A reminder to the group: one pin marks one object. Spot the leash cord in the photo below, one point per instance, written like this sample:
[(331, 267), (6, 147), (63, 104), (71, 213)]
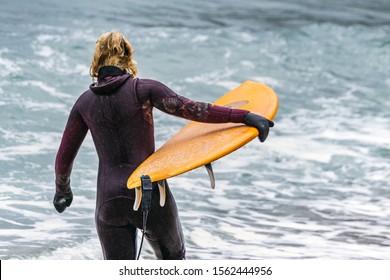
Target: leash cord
[(144, 219), (147, 190)]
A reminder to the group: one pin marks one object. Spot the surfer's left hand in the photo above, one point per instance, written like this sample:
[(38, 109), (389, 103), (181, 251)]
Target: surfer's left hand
[(262, 124)]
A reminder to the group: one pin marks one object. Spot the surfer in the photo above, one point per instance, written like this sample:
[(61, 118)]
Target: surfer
[(117, 110)]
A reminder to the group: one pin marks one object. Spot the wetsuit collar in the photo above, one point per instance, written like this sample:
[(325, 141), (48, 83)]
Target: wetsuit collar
[(110, 71), (110, 78)]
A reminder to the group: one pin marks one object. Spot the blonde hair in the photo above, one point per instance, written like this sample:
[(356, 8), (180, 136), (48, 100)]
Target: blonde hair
[(113, 49)]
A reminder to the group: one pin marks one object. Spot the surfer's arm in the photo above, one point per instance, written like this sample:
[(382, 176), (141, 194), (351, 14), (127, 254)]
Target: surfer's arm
[(72, 138), (166, 100)]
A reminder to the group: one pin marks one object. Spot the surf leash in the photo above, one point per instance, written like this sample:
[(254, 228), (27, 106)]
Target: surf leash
[(147, 191)]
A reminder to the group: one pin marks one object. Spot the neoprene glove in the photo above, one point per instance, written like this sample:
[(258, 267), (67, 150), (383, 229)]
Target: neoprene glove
[(63, 197), (61, 201), (262, 124)]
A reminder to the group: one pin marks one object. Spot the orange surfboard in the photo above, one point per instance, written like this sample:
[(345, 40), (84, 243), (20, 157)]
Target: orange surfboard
[(198, 144)]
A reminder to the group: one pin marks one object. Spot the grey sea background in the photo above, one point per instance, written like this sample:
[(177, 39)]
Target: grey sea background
[(318, 188)]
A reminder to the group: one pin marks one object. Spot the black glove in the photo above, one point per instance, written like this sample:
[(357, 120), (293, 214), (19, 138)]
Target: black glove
[(61, 201), (63, 196), (262, 124)]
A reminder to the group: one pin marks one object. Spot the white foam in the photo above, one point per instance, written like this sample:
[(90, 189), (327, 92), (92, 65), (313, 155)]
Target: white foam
[(88, 250), (45, 87), (30, 144), (228, 53), (8, 66), (306, 148), (50, 56), (203, 238), (80, 69), (270, 81), (248, 64), (200, 38), (247, 37), (387, 82), (11, 190), (44, 51), (43, 106), (43, 38), (215, 78)]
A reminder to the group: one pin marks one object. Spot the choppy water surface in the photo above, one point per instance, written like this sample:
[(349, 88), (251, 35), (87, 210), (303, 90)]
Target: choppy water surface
[(318, 188)]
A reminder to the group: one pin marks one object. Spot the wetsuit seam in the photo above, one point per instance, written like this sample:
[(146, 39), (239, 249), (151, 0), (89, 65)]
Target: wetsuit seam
[(136, 91), (85, 119)]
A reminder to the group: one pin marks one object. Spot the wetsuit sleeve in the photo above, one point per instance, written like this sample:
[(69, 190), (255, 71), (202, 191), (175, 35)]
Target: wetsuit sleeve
[(166, 100), (72, 138)]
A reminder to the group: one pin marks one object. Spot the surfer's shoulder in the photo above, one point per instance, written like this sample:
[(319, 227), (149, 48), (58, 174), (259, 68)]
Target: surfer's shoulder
[(150, 85)]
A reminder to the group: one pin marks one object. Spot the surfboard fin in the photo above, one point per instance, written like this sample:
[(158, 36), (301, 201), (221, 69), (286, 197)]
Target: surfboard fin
[(163, 194), (210, 171), (138, 198), (138, 195)]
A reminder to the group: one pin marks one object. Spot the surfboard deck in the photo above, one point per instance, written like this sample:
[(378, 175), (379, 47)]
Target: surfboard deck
[(198, 144)]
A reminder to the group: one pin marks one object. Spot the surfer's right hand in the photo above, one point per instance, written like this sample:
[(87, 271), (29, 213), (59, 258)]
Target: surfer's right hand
[(61, 201), (262, 124)]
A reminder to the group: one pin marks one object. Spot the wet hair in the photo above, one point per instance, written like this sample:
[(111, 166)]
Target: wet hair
[(113, 49)]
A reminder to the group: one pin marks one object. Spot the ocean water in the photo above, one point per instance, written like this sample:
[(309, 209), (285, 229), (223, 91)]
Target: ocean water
[(317, 188)]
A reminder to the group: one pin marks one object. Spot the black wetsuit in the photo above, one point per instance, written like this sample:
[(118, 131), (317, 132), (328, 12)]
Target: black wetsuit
[(118, 112)]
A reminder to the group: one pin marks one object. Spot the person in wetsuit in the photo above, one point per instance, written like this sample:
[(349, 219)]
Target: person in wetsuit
[(117, 110)]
